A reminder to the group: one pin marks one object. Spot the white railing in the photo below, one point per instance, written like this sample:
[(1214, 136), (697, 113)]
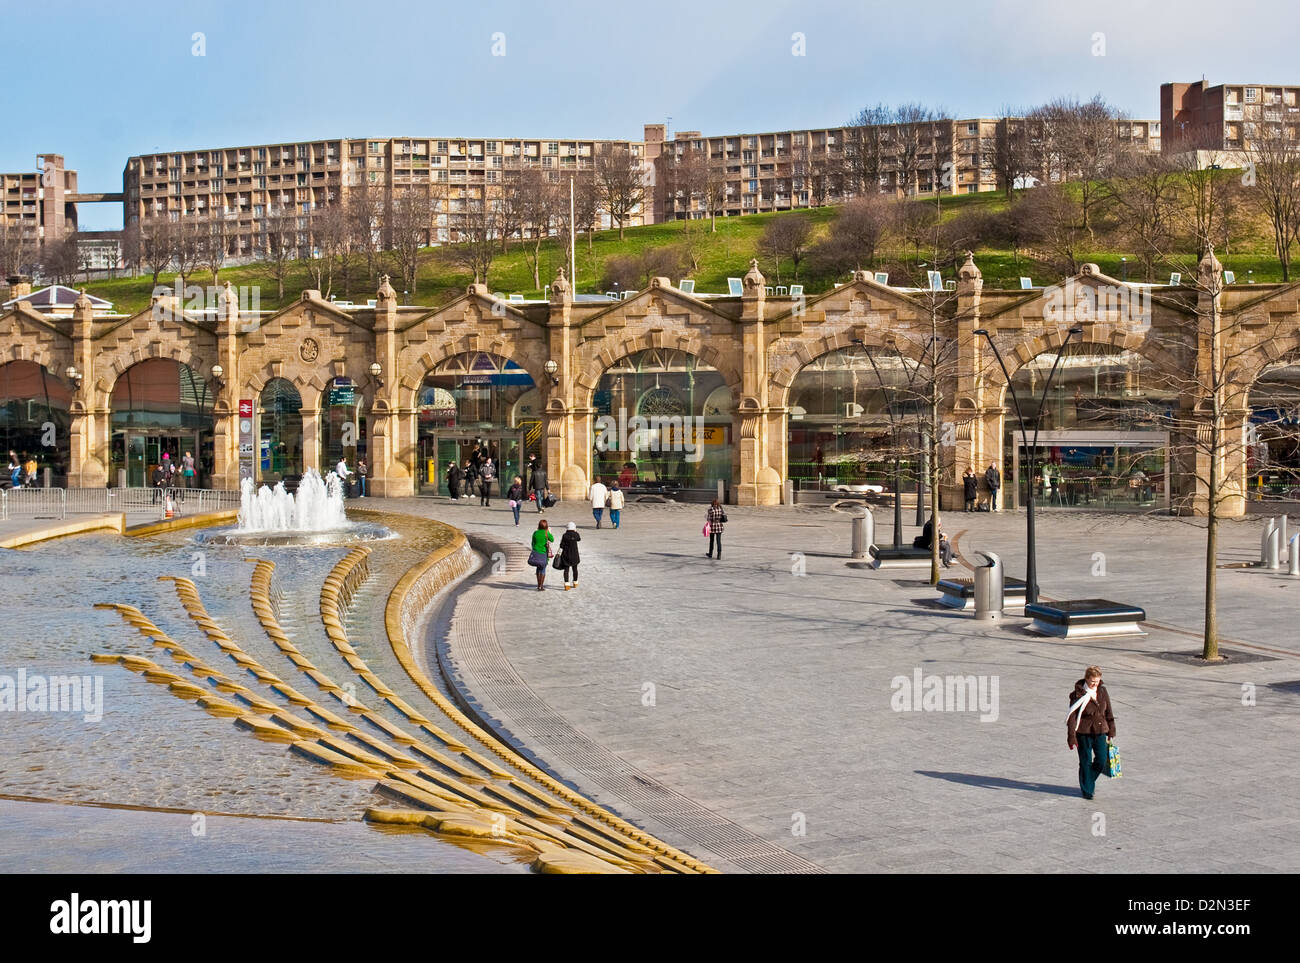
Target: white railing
[(61, 502)]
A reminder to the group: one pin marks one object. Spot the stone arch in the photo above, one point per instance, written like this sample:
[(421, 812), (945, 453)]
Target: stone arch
[(1027, 350), (109, 369), (415, 370), (804, 353), (309, 388), (612, 351)]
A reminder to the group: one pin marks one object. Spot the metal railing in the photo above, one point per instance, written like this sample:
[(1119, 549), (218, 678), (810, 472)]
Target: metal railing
[(62, 502)]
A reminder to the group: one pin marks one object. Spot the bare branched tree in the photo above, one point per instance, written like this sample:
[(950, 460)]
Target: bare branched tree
[(621, 182)]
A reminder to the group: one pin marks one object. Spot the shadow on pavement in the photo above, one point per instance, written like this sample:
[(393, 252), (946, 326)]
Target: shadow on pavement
[(998, 782)]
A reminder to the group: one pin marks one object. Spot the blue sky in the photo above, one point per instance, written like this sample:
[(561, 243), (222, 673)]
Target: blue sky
[(101, 81)]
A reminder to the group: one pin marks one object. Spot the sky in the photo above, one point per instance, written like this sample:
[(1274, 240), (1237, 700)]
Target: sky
[(100, 81)]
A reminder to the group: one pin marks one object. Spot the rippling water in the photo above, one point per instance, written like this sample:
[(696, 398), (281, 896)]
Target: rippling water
[(151, 749)]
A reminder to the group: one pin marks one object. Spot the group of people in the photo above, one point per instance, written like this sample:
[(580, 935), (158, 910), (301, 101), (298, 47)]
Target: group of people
[(971, 487), (169, 475), (362, 475), (477, 474), (22, 471)]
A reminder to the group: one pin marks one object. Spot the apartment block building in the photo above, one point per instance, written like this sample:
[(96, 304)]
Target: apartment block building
[(39, 203), (783, 170), (244, 184), (1227, 117)]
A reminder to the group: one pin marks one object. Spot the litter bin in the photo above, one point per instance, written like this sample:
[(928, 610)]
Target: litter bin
[(864, 533), (989, 584)]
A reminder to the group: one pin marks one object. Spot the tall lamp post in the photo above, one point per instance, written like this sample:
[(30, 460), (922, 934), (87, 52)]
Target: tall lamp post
[(1031, 562)]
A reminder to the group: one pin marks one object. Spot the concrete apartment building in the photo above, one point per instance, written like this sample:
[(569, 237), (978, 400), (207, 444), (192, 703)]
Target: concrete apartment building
[(244, 184), (1227, 118), (783, 170), (40, 203)]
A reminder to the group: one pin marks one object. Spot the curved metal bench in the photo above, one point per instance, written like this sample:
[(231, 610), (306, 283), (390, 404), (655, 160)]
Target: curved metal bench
[(1086, 618)]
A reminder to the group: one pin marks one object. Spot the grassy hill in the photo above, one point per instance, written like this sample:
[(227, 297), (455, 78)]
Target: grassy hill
[(721, 254)]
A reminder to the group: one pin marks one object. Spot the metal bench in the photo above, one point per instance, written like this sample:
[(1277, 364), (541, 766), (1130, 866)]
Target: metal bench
[(886, 556), (1086, 618), (959, 593)]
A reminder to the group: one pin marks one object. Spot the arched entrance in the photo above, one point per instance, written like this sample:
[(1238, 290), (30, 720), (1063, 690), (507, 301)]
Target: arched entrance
[(663, 417), (472, 404), (279, 432), (159, 407), (1273, 455), (851, 412), (34, 417), (1103, 430)]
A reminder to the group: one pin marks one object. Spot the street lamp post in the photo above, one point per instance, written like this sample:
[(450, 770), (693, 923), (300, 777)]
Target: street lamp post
[(1124, 261), (893, 426), (1031, 562)]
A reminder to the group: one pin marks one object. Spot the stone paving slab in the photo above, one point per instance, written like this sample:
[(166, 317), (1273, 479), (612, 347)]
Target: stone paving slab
[(772, 690)]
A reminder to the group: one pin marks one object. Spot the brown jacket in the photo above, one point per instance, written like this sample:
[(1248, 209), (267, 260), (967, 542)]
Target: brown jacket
[(1097, 717)]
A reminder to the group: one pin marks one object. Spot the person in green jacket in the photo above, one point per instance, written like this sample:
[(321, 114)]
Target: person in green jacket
[(541, 553)]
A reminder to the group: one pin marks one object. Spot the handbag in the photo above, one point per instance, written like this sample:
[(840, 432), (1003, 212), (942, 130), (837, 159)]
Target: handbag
[(1113, 767), (724, 518), (536, 559), (513, 503), (706, 532), (558, 564)]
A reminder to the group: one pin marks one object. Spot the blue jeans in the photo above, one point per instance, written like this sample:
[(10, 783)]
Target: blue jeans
[(599, 513), (1094, 761), (362, 483), (514, 507), (613, 515)]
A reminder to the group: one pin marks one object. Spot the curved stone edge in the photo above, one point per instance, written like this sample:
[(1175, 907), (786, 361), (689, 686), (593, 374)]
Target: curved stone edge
[(204, 520), (109, 522), (408, 608)]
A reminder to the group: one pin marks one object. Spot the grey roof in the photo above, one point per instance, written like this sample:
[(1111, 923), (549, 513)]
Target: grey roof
[(57, 296)]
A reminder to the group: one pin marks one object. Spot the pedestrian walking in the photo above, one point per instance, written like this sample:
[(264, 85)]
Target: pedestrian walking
[(537, 482), (486, 476), (599, 496), (540, 556), (714, 521), (1089, 727), (30, 469), (569, 554), (971, 489), (453, 480), (158, 480), (187, 467), (469, 479), (15, 469), (515, 496), (363, 473), (993, 479), (615, 501)]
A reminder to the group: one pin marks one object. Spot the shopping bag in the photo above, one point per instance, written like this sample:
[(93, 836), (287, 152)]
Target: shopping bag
[(558, 564), (1114, 769), (705, 533)]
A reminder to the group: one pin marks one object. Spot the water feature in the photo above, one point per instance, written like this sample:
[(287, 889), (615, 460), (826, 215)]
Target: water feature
[(314, 515)]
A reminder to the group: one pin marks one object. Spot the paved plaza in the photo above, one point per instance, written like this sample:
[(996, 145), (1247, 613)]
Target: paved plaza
[(742, 709)]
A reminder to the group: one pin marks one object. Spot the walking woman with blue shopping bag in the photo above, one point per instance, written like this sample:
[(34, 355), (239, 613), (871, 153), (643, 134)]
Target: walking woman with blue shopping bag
[(1090, 726)]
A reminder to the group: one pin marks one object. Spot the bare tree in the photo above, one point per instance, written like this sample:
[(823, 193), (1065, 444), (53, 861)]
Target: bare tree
[(364, 212), (60, 260), (537, 204), (920, 140), (1145, 193), (477, 228), (17, 245), (586, 202), (410, 226), (130, 246), (1010, 153), (187, 252), (1273, 179), (212, 244), (856, 235), (620, 179), (1054, 219), (865, 158), (157, 244), (1076, 141), (786, 237), (280, 244)]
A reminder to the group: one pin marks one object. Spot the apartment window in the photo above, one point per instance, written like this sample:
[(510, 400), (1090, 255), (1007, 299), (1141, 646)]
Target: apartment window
[(1252, 95), (374, 177), (753, 186), (375, 146), (442, 147)]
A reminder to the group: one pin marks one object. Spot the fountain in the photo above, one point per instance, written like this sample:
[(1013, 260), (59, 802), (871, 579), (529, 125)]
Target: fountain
[(314, 515)]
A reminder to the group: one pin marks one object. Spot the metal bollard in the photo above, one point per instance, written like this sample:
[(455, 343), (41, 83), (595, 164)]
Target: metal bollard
[(1269, 528), (789, 492), (1271, 549), (1281, 527), (989, 586), (863, 529), (1293, 555)]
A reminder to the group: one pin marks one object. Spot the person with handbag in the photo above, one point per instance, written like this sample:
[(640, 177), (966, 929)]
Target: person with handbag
[(1089, 728), (537, 482), (486, 476), (515, 496), (598, 493), (540, 555), (713, 523), (567, 559)]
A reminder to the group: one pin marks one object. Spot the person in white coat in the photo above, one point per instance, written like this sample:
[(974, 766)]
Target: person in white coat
[(599, 495)]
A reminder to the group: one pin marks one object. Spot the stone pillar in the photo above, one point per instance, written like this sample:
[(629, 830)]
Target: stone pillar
[(759, 483), (391, 474), (310, 438), (88, 441), (225, 405), (566, 419), (967, 434)]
